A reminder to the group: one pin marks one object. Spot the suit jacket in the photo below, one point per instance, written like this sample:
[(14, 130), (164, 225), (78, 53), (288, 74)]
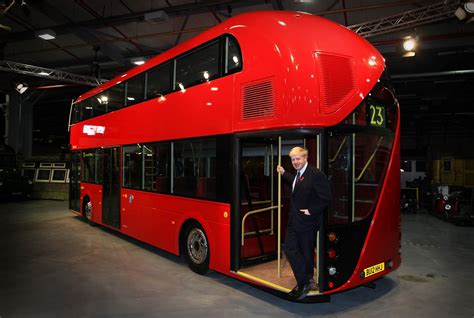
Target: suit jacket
[(312, 192)]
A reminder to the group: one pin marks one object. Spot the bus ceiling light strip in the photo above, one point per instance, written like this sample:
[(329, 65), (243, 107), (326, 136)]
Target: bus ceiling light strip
[(47, 34)]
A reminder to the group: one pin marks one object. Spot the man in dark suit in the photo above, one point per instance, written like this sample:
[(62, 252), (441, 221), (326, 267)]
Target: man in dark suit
[(309, 199)]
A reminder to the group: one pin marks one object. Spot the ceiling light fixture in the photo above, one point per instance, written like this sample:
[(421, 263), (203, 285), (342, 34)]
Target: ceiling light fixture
[(409, 46), (21, 88), (138, 60), (47, 34), (465, 12)]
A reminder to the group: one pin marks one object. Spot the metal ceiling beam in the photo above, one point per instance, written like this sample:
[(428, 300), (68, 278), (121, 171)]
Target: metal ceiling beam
[(431, 74), (68, 26), (427, 14), (48, 73), (91, 11), (28, 26), (86, 34)]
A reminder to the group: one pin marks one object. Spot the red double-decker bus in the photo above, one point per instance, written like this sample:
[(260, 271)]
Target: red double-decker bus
[(181, 151)]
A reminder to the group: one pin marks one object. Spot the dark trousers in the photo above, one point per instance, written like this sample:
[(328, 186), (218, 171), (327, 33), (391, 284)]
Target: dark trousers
[(299, 249)]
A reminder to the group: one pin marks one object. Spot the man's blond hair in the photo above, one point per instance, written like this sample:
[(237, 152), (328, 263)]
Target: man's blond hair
[(298, 151)]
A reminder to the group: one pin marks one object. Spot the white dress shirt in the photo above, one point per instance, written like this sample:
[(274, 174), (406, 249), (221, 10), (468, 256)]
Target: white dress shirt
[(301, 171)]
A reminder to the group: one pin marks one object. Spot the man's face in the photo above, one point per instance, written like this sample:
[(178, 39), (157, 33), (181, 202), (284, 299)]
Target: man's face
[(298, 161)]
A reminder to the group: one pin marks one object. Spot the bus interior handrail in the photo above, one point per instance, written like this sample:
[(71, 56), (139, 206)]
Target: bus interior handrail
[(270, 208), (256, 202), (369, 161), (331, 160)]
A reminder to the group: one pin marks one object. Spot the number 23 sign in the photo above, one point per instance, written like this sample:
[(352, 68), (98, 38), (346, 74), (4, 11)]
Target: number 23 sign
[(377, 115)]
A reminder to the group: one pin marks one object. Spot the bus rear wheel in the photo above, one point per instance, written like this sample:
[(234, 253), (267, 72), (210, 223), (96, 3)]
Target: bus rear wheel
[(88, 211), (196, 249)]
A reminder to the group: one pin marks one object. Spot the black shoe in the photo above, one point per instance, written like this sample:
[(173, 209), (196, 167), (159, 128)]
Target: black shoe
[(304, 291), (295, 292)]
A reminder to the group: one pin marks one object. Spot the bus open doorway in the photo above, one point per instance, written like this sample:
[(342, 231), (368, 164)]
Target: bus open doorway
[(264, 207)]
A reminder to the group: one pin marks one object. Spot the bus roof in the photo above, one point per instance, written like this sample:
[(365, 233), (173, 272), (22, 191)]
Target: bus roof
[(264, 20)]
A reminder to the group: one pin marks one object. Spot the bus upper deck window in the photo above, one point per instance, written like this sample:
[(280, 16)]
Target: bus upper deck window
[(158, 81), (86, 109), (233, 57), (116, 97), (135, 89), (200, 65)]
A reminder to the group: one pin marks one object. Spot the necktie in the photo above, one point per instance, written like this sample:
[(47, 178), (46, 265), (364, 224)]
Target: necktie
[(297, 180)]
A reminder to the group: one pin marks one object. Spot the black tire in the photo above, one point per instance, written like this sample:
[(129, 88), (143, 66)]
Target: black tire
[(196, 248)]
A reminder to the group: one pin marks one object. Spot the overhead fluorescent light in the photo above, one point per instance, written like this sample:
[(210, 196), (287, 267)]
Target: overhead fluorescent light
[(44, 73), (47, 34)]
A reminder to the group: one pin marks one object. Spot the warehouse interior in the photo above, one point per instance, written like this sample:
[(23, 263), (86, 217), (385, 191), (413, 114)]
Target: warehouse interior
[(53, 51)]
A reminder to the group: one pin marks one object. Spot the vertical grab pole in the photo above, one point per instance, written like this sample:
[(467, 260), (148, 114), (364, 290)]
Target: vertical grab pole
[(279, 209)]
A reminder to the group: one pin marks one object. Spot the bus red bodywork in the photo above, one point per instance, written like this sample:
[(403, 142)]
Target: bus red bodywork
[(320, 72)]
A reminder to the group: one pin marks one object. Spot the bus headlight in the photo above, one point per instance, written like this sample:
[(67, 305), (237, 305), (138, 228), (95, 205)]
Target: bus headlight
[(447, 207)]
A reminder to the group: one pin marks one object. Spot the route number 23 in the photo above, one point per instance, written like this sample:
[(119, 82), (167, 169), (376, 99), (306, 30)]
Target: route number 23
[(377, 115)]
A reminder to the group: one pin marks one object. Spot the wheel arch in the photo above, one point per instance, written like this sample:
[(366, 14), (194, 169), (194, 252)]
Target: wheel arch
[(207, 230), (86, 198)]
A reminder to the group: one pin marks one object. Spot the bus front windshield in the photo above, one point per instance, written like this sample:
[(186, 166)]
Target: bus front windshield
[(358, 155)]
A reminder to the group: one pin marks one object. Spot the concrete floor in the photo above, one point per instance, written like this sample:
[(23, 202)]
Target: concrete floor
[(54, 265)]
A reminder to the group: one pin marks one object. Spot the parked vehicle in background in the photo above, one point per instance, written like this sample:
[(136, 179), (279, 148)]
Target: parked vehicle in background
[(409, 200), (456, 206)]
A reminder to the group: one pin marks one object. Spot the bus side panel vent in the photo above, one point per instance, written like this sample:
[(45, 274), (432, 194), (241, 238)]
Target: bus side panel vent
[(337, 80), (258, 100)]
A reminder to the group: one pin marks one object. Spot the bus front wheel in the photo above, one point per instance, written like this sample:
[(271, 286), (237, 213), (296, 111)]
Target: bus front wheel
[(196, 249)]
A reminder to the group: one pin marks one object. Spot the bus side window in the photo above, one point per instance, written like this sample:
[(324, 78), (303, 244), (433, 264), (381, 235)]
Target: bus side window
[(76, 113), (132, 167), (198, 66), (157, 167), (233, 61), (99, 104), (135, 90), (86, 109), (158, 81), (116, 97), (88, 166)]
